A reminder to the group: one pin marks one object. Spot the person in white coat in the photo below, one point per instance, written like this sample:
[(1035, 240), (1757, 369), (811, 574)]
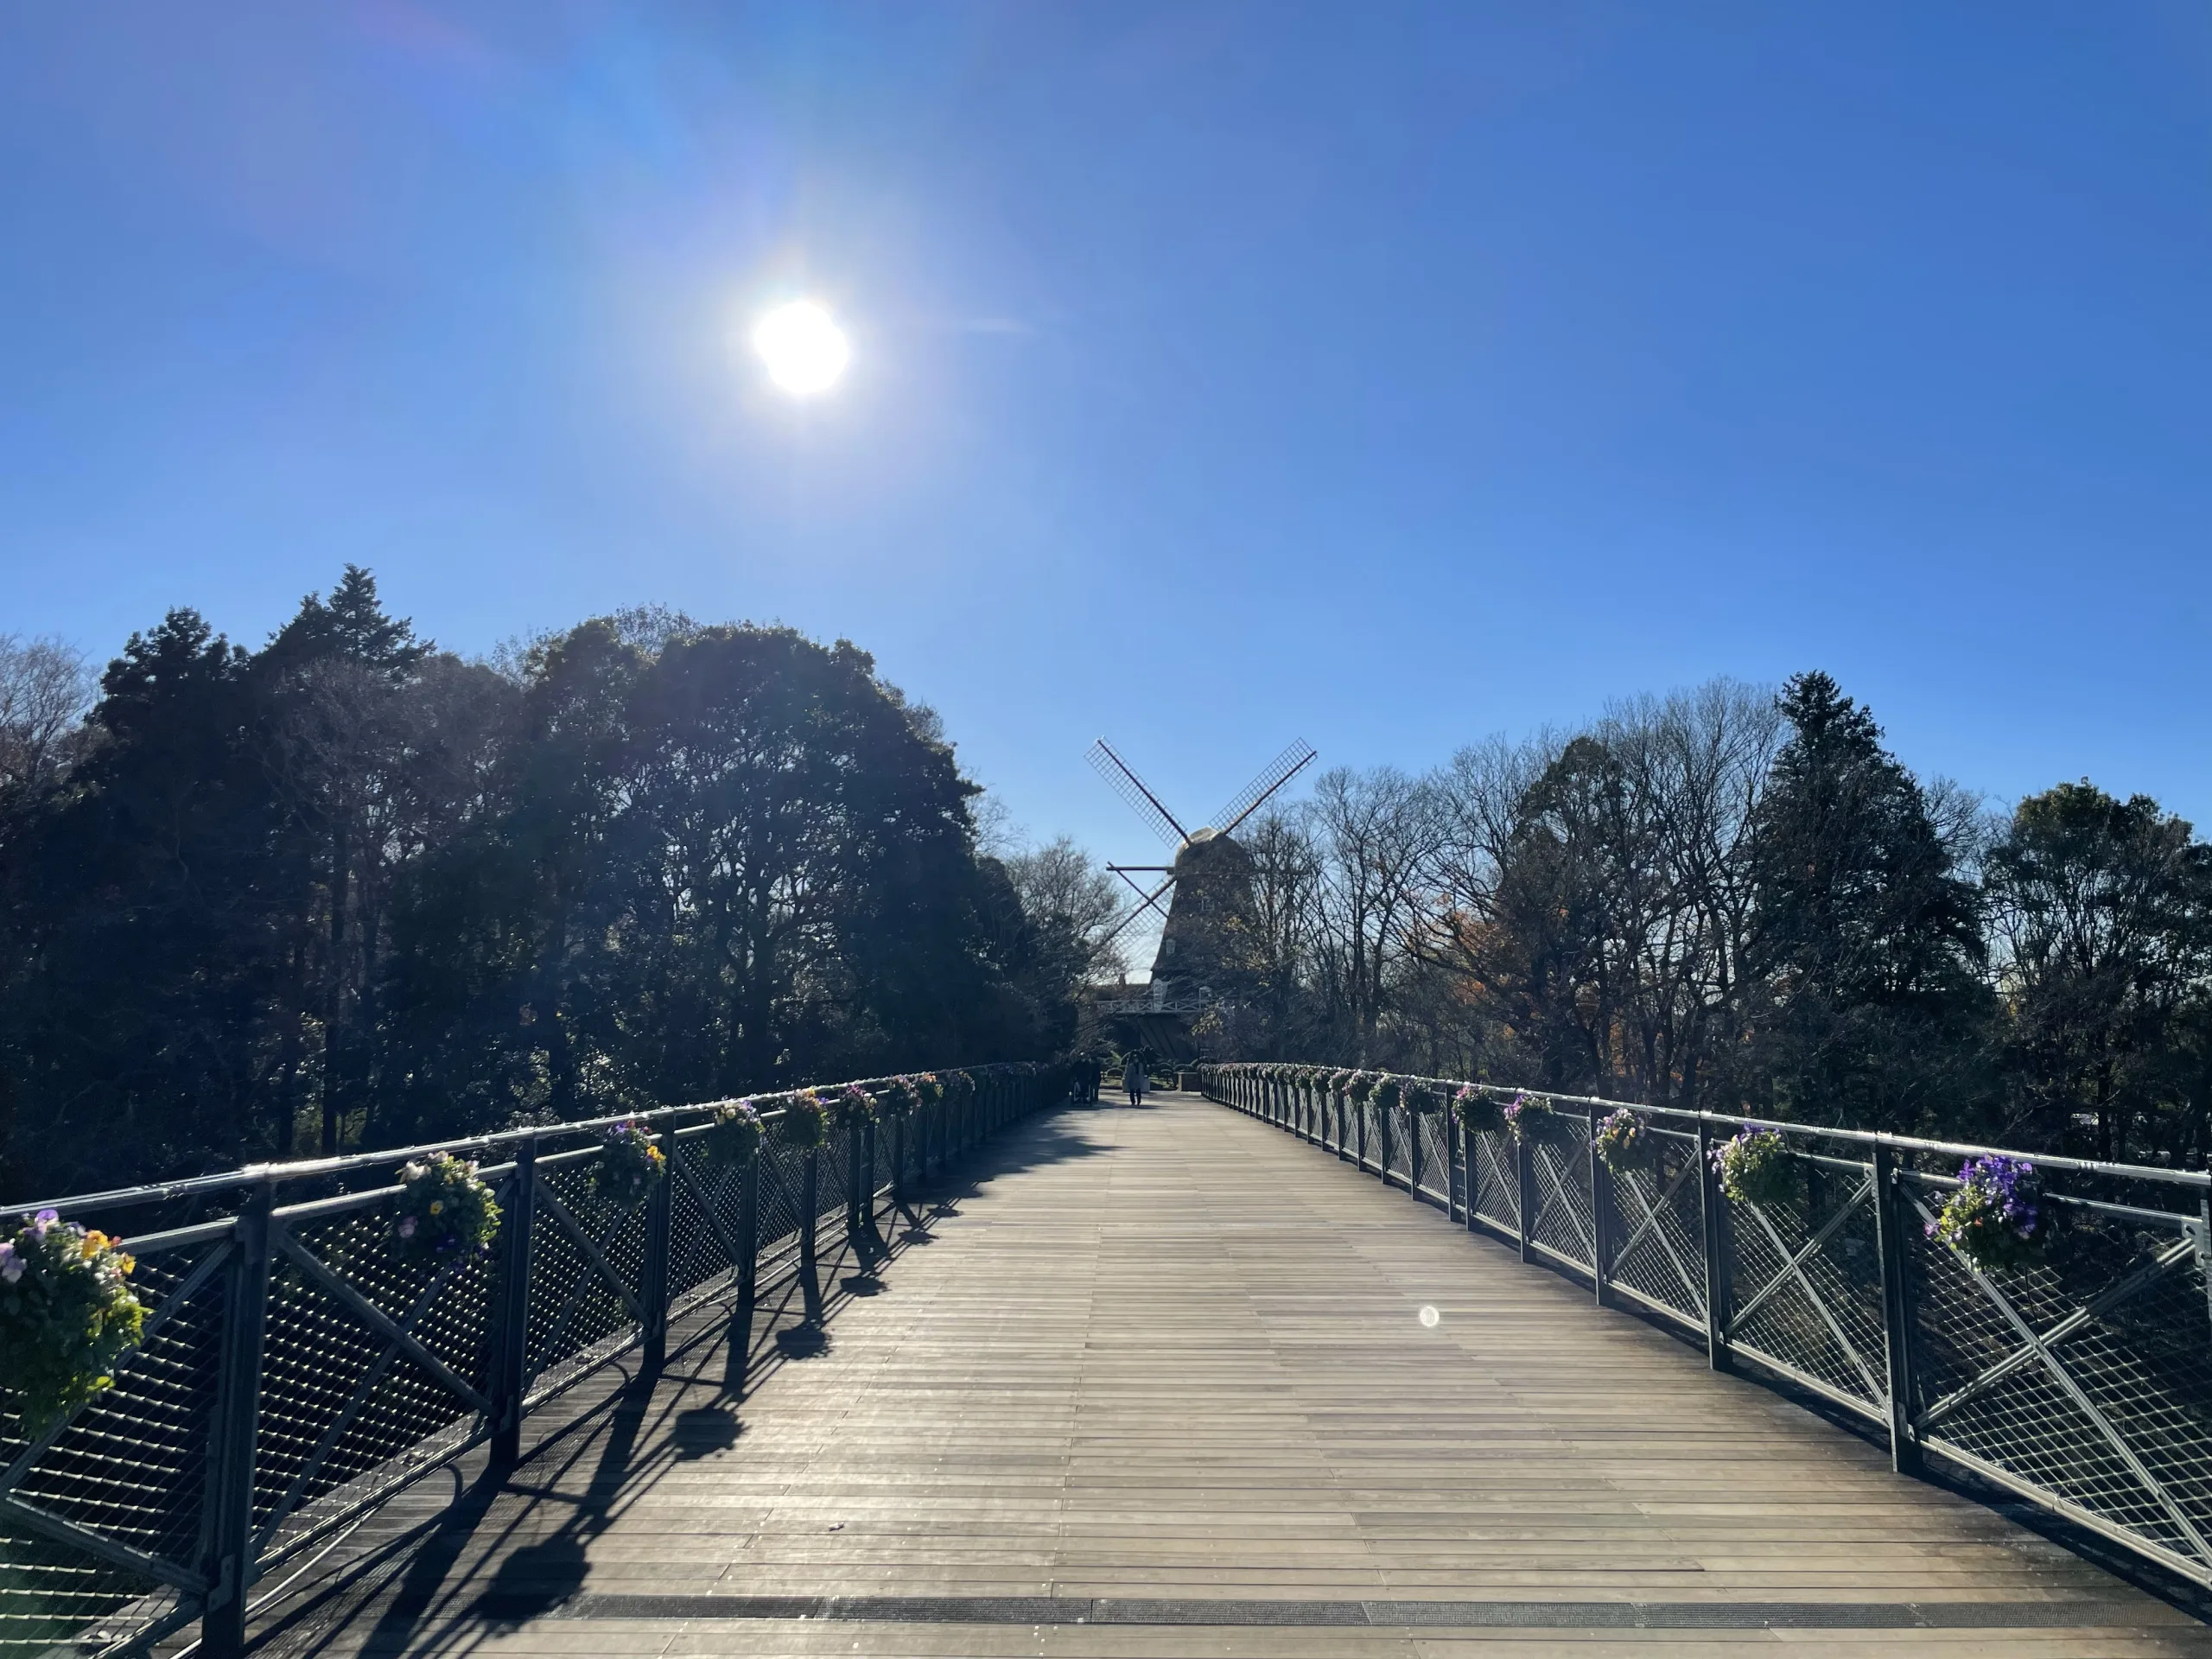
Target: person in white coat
[(1133, 1076)]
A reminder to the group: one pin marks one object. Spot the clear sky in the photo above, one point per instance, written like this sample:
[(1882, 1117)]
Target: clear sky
[(1383, 374)]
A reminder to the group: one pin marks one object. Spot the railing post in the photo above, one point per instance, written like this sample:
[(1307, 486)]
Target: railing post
[(1413, 1152), (1470, 1192), (653, 1291), (869, 1229), (1359, 1130), (1524, 1167), (1713, 1211), (856, 1178), (227, 1563), (510, 1356), (809, 1200), (738, 1354), (1601, 1220), (1889, 1234)]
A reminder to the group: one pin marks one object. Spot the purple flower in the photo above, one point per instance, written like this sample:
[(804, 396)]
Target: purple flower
[(407, 1226), (11, 1264), (44, 1219)]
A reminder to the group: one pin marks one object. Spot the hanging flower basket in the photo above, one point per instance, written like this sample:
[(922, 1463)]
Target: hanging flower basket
[(444, 1211), (1994, 1219), (1361, 1088), (1625, 1142), (1755, 1168), (1420, 1098), (805, 1122), (895, 1099), (1526, 1116), (854, 1107), (67, 1317), (629, 1166), (1340, 1082), (1476, 1111), (733, 1137), (929, 1088), (1385, 1092)]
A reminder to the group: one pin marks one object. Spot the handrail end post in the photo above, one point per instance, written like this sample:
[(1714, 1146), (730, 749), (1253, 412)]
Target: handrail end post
[(1897, 1310)]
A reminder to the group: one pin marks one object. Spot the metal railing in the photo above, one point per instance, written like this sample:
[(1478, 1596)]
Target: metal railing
[(296, 1371), (2081, 1384)]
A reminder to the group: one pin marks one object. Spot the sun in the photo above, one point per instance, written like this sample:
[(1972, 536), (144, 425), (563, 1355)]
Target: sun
[(806, 353)]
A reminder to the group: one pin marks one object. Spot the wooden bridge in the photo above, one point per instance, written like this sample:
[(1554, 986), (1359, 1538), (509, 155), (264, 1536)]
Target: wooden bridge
[(1165, 1382)]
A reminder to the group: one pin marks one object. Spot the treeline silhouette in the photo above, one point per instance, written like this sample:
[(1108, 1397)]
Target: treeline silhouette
[(351, 889), (1731, 900)]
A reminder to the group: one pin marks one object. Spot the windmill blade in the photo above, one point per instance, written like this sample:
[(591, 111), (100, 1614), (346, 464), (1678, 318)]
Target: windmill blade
[(1278, 771), (1131, 788), (1145, 901)]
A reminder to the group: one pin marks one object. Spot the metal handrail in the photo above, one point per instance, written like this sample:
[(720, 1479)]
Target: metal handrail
[(2082, 1385), (211, 1461)]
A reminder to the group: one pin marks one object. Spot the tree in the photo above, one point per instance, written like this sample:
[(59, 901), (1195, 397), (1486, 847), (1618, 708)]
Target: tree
[(2102, 916), (134, 1037), (1864, 939)]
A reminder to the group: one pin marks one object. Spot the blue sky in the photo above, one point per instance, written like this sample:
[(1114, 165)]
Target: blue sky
[(1383, 374)]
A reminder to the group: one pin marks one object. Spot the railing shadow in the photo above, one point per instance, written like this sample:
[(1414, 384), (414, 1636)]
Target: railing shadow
[(501, 1547)]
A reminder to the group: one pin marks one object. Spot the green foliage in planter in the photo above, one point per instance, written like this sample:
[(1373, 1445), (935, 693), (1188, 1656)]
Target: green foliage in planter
[(1477, 1110), (853, 1108), (733, 1137), (67, 1317), (1625, 1143), (1527, 1116), (1755, 1168), (1994, 1217), (444, 1211), (630, 1166), (805, 1122)]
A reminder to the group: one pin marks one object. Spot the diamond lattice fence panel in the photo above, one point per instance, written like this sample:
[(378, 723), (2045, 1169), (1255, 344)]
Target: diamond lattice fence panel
[(1660, 1250), (1497, 1179), (1562, 1222), (2110, 1408), (1806, 1282), (131, 1467)]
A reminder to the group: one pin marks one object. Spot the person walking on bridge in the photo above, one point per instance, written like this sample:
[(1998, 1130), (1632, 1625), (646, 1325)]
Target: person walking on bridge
[(1133, 1074)]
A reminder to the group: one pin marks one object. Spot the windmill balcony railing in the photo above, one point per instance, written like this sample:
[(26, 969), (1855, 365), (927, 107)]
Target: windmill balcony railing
[(295, 1370), (2080, 1381)]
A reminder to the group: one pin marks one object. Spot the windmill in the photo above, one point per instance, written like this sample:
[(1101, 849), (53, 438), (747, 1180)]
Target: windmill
[(1210, 879)]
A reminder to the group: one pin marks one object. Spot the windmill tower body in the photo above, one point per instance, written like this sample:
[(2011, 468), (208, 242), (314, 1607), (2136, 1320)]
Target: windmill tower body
[(1209, 917)]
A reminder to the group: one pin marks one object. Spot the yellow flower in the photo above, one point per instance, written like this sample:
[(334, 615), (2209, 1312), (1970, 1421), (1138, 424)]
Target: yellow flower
[(437, 1206), (654, 1153), (94, 1243), (126, 1262)]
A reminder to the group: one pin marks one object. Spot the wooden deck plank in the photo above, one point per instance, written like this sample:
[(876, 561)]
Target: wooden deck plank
[(1173, 1353)]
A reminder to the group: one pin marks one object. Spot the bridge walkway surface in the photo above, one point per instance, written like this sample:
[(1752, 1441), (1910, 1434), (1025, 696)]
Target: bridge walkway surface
[(1159, 1381)]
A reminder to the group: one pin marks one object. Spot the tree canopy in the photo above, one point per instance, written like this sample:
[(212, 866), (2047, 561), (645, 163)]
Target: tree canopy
[(350, 889)]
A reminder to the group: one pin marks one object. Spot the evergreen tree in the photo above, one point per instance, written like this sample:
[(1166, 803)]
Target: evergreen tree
[(1866, 943)]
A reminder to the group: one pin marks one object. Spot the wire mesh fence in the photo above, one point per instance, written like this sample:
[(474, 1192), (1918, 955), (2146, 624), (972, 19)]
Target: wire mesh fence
[(297, 1367), (2078, 1377)]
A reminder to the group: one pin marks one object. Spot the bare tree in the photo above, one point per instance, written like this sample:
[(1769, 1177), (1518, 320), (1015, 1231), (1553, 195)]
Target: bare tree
[(1377, 831), (1061, 886), (45, 687)]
